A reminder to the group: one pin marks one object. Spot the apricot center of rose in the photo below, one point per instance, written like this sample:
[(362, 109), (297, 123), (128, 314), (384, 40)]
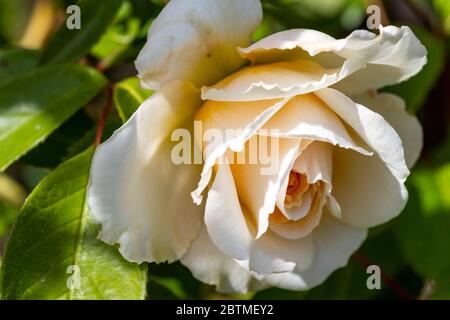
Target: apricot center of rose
[(294, 182)]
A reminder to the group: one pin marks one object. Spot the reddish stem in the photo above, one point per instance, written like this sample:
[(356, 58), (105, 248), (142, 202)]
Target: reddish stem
[(103, 115), (389, 281), (100, 66)]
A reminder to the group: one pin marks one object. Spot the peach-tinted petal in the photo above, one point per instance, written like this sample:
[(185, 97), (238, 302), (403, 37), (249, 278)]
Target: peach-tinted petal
[(278, 80), (249, 117)]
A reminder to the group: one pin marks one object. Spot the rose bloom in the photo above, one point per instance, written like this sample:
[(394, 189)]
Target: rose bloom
[(344, 149)]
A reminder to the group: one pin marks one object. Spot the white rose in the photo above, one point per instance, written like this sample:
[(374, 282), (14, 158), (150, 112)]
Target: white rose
[(344, 149)]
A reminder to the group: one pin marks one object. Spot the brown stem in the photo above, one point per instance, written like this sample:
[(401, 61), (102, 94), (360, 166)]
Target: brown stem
[(101, 66), (103, 115), (388, 280)]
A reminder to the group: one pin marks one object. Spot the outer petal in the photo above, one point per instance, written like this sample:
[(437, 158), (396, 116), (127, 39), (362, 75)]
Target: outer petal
[(278, 80), (394, 56), (370, 190), (276, 46), (272, 254), (211, 266), (136, 192), (334, 243), (393, 109), (391, 57), (196, 40)]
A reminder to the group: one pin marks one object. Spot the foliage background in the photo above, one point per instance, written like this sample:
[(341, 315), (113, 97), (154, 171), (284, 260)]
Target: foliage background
[(58, 86)]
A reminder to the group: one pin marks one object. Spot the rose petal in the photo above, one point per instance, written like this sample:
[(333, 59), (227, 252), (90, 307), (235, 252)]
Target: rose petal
[(136, 192), (258, 189), (278, 80), (303, 227), (369, 190), (366, 190), (272, 254), (391, 57), (234, 235), (307, 117), (249, 117), (211, 266), (196, 40), (334, 243), (393, 109), (272, 47), (226, 222), (316, 162)]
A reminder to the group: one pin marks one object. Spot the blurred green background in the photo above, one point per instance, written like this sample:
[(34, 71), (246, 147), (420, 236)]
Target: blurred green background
[(413, 251)]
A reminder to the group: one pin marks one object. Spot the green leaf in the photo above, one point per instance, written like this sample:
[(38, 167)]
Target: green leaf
[(423, 228), (128, 96), (15, 61), (14, 16), (69, 45), (57, 147), (416, 90), (112, 124), (173, 281), (55, 235), (441, 290), (35, 104), (116, 42), (166, 289), (443, 9)]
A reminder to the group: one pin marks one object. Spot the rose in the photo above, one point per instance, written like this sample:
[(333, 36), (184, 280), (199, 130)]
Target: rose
[(344, 148)]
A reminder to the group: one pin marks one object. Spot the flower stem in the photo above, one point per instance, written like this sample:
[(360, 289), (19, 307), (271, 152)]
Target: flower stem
[(104, 114)]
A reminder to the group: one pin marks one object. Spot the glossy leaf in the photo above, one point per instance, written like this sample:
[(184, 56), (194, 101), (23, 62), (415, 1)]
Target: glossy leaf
[(69, 45), (423, 229), (16, 61), (174, 281), (59, 143), (35, 104), (54, 243), (116, 43)]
